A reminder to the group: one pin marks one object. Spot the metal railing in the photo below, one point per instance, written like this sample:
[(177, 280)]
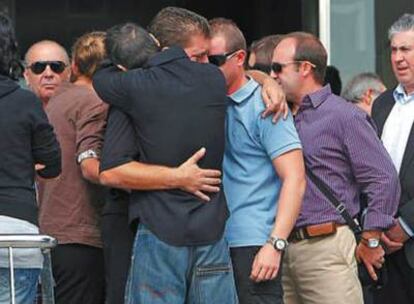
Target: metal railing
[(44, 243)]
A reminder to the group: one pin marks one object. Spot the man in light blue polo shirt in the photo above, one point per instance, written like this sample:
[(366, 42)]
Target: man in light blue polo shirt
[(264, 177)]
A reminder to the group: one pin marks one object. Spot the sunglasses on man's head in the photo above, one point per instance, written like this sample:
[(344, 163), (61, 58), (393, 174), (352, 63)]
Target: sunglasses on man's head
[(39, 67), (277, 67), (221, 59)]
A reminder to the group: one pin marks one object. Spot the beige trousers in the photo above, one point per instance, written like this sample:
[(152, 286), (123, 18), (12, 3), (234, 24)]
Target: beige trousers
[(322, 271)]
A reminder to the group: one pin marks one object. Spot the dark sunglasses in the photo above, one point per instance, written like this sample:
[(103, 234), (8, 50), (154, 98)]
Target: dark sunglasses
[(221, 59), (39, 67), (277, 67), (266, 68)]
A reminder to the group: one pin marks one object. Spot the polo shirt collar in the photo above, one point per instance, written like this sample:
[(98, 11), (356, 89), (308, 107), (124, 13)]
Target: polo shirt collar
[(167, 55), (317, 98), (245, 91)]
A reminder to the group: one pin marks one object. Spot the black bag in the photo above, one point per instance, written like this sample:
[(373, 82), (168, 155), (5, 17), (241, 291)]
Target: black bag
[(363, 273)]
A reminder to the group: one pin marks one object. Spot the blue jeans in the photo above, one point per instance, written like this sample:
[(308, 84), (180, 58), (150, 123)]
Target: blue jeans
[(25, 283), (165, 274)]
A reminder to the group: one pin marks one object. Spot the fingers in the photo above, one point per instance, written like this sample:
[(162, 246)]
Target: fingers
[(391, 246), (255, 269), (371, 271), (274, 273), (267, 101), (197, 156), (378, 264), (202, 196), (39, 167), (208, 188), (263, 273), (269, 110), (285, 110), (276, 116), (210, 173), (210, 181)]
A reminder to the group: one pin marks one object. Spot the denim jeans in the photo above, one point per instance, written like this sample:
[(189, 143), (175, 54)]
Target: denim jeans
[(25, 283), (165, 274)]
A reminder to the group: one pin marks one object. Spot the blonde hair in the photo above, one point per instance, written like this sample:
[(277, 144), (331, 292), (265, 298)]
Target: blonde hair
[(88, 51)]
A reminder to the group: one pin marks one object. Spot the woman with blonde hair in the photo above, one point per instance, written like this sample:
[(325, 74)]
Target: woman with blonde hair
[(70, 206)]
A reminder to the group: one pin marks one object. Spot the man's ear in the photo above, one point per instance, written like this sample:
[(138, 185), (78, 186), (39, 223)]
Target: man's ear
[(367, 97), (74, 68), (26, 77), (306, 68), (241, 57)]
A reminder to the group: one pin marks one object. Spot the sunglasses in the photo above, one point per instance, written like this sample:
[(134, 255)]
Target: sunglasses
[(266, 68), (221, 59), (39, 67), (277, 67)]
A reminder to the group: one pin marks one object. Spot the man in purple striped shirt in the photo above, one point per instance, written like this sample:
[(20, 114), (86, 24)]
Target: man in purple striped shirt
[(341, 148)]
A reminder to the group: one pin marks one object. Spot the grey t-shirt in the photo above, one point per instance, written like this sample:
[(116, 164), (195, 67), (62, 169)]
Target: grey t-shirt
[(22, 257)]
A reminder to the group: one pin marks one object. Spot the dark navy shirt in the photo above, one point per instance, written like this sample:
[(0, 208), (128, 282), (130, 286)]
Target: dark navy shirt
[(119, 147), (176, 106)]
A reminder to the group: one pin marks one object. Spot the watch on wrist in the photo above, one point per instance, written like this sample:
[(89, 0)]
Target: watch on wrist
[(277, 243), (370, 242), (86, 154)]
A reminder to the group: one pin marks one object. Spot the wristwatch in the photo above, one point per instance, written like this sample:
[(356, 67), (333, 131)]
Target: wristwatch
[(371, 242), (277, 243), (86, 154)]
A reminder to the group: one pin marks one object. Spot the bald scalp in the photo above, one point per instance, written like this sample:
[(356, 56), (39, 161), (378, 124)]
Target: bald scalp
[(46, 44), (310, 48)]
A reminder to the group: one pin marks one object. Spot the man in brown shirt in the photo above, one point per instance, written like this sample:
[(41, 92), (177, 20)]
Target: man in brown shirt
[(70, 206)]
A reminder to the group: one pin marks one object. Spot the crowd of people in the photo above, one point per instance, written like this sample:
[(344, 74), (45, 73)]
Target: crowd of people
[(175, 165)]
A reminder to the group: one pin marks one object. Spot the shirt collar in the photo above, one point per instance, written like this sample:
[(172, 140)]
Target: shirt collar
[(317, 98), (245, 91), (167, 55), (401, 96)]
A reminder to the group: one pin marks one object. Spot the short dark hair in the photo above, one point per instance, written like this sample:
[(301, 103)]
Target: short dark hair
[(129, 45), (175, 26), (9, 58), (263, 51), (333, 78), (309, 48), (230, 31)]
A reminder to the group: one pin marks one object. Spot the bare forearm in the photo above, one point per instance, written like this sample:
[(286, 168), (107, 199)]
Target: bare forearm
[(258, 76), (139, 176), (90, 169), (290, 202)]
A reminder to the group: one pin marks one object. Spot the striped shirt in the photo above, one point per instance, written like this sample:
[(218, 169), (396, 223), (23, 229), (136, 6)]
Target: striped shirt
[(341, 147)]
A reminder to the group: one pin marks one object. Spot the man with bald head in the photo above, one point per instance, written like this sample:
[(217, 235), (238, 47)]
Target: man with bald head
[(47, 66)]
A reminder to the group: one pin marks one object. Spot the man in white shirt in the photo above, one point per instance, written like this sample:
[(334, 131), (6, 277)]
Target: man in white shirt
[(393, 113)]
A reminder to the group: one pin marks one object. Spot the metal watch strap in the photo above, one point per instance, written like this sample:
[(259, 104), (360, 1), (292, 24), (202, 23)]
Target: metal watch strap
[(85, 155)]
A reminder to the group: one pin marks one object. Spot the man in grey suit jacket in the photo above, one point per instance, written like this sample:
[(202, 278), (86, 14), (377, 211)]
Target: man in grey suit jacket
[(393, 113)]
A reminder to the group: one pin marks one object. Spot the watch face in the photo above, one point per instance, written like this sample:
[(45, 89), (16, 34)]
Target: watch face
[(280, 245), (373, 243)]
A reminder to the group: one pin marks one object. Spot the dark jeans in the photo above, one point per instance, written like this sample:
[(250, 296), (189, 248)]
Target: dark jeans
[(400, 286), (249, 292), (118, 240), (78, 271)]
